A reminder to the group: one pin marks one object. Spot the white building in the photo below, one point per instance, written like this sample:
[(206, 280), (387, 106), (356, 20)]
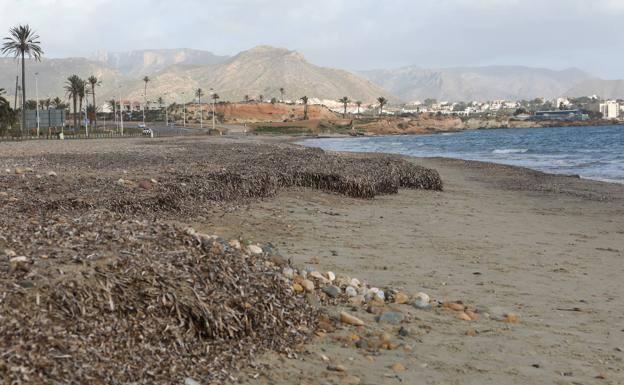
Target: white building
[(610, 109)]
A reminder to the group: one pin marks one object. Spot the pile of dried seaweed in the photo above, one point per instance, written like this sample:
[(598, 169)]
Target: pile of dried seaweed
[(114, 301), (185, 182)]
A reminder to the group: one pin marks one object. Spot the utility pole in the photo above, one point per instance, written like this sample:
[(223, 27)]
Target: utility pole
[(120, 112), (37, 99), (184, 113), (213, 109)]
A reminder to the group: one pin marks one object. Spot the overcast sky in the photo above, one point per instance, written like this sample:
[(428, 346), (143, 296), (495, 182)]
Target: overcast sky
[(352, 34)]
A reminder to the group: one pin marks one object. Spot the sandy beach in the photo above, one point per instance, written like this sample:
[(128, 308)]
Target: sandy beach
[(502, 240)]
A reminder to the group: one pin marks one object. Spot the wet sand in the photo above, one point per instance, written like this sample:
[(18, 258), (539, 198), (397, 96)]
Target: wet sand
[(547, 248)]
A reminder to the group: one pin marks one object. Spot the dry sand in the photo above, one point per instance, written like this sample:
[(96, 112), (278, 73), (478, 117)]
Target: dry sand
[(547, 248), (504, 239)]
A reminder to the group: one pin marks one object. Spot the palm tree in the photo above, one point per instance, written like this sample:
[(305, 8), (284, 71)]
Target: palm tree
[(22, 41), (358, 104), (58, 103), (345, 100), (146, 79), (261, 98), (72, 87), (93, 81), (282, 94), (382, 102), (199, 93), (304, 99), (81, 95)]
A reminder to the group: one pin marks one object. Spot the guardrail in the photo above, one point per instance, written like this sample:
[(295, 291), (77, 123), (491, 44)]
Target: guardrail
[(76, 136)]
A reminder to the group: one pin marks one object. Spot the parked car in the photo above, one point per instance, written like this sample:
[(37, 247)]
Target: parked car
[(141, 125)]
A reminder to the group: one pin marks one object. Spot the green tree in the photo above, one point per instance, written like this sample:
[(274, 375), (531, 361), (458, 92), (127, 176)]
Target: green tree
[(199, 93), (345, 101), (58, 103), (21, 42), (281, 90), (358, 104), (93, 81), (430, 102), (261, 98), (8, 117), (305, 99), (382, 102), (246, 98), (72, 88)]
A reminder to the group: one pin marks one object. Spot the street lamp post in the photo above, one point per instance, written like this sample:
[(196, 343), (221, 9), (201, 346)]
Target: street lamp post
[(37, 97), (120, 112), (213, 109), (184, 111)]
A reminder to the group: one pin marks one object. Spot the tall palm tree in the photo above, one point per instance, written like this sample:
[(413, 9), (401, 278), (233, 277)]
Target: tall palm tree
[(199, 93), (345, 101), (282, 94), (81, 95), (382, 102), (146, 79), (358, 104), (93, 81), (58, 103), (22, 41), (72, 87), (304, 99)]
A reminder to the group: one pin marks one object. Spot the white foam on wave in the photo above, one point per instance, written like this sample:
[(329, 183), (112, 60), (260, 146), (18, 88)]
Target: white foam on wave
[(511, 151)]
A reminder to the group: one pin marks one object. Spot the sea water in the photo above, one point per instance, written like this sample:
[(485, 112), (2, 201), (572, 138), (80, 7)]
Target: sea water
[(592, 152)]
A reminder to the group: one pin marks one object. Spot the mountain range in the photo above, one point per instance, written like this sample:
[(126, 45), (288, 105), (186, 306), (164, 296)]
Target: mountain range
[(263, 70)]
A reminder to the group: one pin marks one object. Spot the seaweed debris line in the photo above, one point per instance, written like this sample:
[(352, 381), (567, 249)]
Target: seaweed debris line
[(97, 285)]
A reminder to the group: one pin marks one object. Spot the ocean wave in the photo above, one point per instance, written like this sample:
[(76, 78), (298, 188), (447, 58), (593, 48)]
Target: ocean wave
[(511, 151)]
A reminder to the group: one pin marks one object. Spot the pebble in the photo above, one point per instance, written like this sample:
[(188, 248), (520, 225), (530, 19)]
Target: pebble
[(358, 300), (331, 276), (235, 244), (401, 298), (351, 291), (350, 320), (319, 277), (19, 171), (307, 285), (288, 272), (336, 368), (403, 332), (391, 317), (355, 282), (146, 185), (10, 253), (464, 317), (190, 381), (398, 368), (297, 288), (332, 291), (254, 249), (51, 173), (454, 306)]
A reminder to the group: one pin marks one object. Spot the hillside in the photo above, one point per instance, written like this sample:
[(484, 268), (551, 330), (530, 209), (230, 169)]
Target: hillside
[(147, 62), (479, 83), (608, 89), (262, 71)]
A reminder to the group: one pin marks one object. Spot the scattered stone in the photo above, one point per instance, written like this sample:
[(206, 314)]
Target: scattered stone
[(463, 316), (401, 298), (455, 306), (307, 285), (288, 272), (350, 291), (473, 316), (421, 301), (355, 282), (391, 317), (336, 368), (278, 260), (472, 333), (146, 185), (19, 171), (254, 249), (350, 320), (332, 291), (19, 263), (190, 381), (358, 300), (398, 368), (403, 332), (319, 277), (331, 276), (511, 318), (374, 309), (235, 244), (10, 253), (297, 288)]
